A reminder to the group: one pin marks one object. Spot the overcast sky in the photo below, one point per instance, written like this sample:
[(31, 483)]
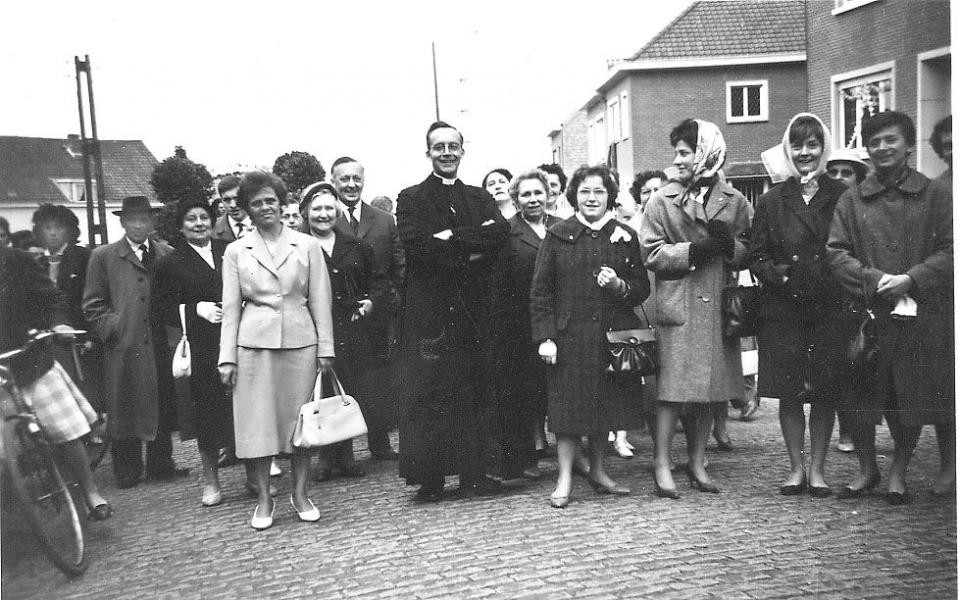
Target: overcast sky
[(238, 84)]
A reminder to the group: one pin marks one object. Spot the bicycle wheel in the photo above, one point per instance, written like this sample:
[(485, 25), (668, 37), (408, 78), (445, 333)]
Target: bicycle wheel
[(96, 443), (43, 496)]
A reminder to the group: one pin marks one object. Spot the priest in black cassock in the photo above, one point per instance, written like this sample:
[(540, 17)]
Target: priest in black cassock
[(452, 233)]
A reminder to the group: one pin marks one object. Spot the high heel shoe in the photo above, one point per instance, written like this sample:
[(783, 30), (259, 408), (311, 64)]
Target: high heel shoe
[(661, 492), (794, 489), (898, 498), (723, 445), (559, 501), (847, 492), (702, 486), (260, 523), (311, 515), (100, 512), (615, 489), (621, 446)]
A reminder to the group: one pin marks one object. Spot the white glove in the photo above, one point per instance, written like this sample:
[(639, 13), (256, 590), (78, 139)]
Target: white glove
[(209, 311), (547, 351)]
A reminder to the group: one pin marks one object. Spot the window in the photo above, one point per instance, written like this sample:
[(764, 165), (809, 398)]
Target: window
[(624, 123), (613, 120), (74, 189), (841, 6), (856, 97), (747, 101), (596, 140)]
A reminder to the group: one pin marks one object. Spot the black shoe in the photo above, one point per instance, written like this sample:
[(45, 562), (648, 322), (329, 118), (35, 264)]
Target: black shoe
[(725, 445), (125, 483), (820, 491), (227, 458), (353, 471), (848, 492), (100, 512), (703, 486), (168, 474), (324, 474), (794, 489), (385, 454), (672, 494), (429, 493), (615, 489), (898, 498)]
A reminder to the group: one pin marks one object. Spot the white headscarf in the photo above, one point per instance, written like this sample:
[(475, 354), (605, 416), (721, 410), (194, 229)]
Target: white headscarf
[(710, 152), (779, 162)]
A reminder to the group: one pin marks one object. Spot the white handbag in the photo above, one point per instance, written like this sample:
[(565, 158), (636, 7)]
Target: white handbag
[(181, 356), (325, 421)]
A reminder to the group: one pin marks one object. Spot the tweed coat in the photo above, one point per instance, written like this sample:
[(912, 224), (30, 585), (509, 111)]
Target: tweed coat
[(222, 230), (801, 300), (117, 301), (903, 228), (443, 362), (569, 307), (697, 363)]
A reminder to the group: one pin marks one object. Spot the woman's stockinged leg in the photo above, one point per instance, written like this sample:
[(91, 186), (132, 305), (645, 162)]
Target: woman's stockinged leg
[(905, 438), (821, 421), (566, 446), (697, 450), (792, 422), (300, 461), (260, 469), (597, 468), (864, 439), (211, 475), (76, 458), (946, 438), (666, 416)]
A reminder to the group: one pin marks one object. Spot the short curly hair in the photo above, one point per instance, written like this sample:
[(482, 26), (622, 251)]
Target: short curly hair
[(58, 213), (555, 169), (943, 126), (609, 182), (256, 181), (889, 118), (532, 174)]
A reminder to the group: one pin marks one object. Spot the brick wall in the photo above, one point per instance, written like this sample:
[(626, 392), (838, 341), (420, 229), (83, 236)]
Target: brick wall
[(572, 139), (661, 99)]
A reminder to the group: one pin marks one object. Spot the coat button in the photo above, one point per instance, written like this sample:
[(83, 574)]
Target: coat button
[(795, 258), (594, 235), (706, 298), (692, 268)]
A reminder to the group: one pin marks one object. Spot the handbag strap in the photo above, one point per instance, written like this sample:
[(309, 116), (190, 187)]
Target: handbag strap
[(645, 316), (337, 387), (183, 318)]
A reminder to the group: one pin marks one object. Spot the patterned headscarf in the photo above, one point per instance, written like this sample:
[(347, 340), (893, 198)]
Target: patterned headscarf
[(710, 153)]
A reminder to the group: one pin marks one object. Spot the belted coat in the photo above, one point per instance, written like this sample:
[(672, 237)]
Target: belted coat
[(697, 363)]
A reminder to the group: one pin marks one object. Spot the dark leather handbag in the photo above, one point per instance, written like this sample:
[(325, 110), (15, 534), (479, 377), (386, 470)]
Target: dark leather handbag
[(863, 348), (740, 306), (633, 351)]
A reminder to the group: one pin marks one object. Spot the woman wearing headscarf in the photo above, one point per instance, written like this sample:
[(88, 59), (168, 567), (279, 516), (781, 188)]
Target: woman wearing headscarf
[(799, 351), (693, 239)]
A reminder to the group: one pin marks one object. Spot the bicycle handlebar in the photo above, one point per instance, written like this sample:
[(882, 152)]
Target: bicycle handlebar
[(38, 336)]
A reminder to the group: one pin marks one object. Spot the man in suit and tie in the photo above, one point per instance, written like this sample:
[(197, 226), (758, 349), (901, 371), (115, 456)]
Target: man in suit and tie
[(137, 379), (378, 229), (236, 223)]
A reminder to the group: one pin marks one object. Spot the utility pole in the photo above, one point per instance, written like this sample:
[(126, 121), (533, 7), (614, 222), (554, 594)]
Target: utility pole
[(436, 87), (91, 152)]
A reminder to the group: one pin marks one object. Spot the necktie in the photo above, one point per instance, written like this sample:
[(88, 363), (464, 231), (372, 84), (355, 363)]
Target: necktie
[(354, 224), (146, 257), (240, 229)]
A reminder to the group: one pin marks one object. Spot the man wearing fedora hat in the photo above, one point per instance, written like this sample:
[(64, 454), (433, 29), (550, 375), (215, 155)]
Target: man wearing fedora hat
[(138, 383)]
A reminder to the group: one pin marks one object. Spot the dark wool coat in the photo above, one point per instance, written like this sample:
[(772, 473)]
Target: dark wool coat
[(569, 307), (117, 301), (443, 365), (903, 228), (183, 277), (697, 363), (801, 300)]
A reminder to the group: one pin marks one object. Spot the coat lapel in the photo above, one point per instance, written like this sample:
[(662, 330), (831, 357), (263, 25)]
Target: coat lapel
[(255, 242), (793, 201), (127, 254), (366, 222), (718, 200)]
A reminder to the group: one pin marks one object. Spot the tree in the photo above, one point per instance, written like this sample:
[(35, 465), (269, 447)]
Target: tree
[(175, 179), (298, 170)]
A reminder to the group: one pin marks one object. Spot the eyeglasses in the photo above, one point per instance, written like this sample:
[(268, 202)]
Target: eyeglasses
[(586, 193), (451, 147), (837, 172)]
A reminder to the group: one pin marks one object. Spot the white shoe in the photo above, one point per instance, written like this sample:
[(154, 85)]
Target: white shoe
[(622, 448), (275, 470), (309, 516), (261, 523)]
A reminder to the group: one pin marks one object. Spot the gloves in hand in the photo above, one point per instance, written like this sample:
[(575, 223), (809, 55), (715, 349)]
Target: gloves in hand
[(209, 311), (703, 251), (720, 231)]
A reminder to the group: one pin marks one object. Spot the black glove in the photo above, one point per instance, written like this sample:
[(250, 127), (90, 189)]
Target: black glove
[(719, 230), (703, 251)]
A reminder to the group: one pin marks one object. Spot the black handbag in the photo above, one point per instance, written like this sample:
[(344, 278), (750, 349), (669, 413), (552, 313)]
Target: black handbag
[(633, 351), (740, 305)]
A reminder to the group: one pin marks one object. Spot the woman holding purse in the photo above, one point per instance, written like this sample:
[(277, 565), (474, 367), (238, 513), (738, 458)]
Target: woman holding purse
[(587, 280), (276, 337), (356, 286), (693, 239), (799, 351), (190, 276)]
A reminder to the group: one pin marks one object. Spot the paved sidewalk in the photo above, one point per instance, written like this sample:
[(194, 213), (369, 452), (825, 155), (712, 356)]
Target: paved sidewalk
[(373, 542)]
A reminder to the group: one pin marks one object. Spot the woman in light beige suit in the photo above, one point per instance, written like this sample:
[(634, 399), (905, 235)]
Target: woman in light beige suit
[(277, 334)]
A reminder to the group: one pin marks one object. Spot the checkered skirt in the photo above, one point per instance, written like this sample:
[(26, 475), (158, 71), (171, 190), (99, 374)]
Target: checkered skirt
[(62, 409)]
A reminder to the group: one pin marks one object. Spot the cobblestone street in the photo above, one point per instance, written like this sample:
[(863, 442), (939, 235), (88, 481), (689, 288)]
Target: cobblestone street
[(374, 542)]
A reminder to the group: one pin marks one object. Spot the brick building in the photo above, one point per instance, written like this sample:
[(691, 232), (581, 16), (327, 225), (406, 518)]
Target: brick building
[(568, 143), (739, 64), (865, 56), (38, 170)]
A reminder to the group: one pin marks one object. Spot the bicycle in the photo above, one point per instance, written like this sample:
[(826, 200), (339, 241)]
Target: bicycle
[(30, 470)]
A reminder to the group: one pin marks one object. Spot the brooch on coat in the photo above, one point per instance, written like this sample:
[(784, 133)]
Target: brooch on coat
[(619, 235)]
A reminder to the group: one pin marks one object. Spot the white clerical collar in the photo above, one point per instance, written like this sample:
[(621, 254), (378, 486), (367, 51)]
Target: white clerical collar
[(598, 224), (445, 180)]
